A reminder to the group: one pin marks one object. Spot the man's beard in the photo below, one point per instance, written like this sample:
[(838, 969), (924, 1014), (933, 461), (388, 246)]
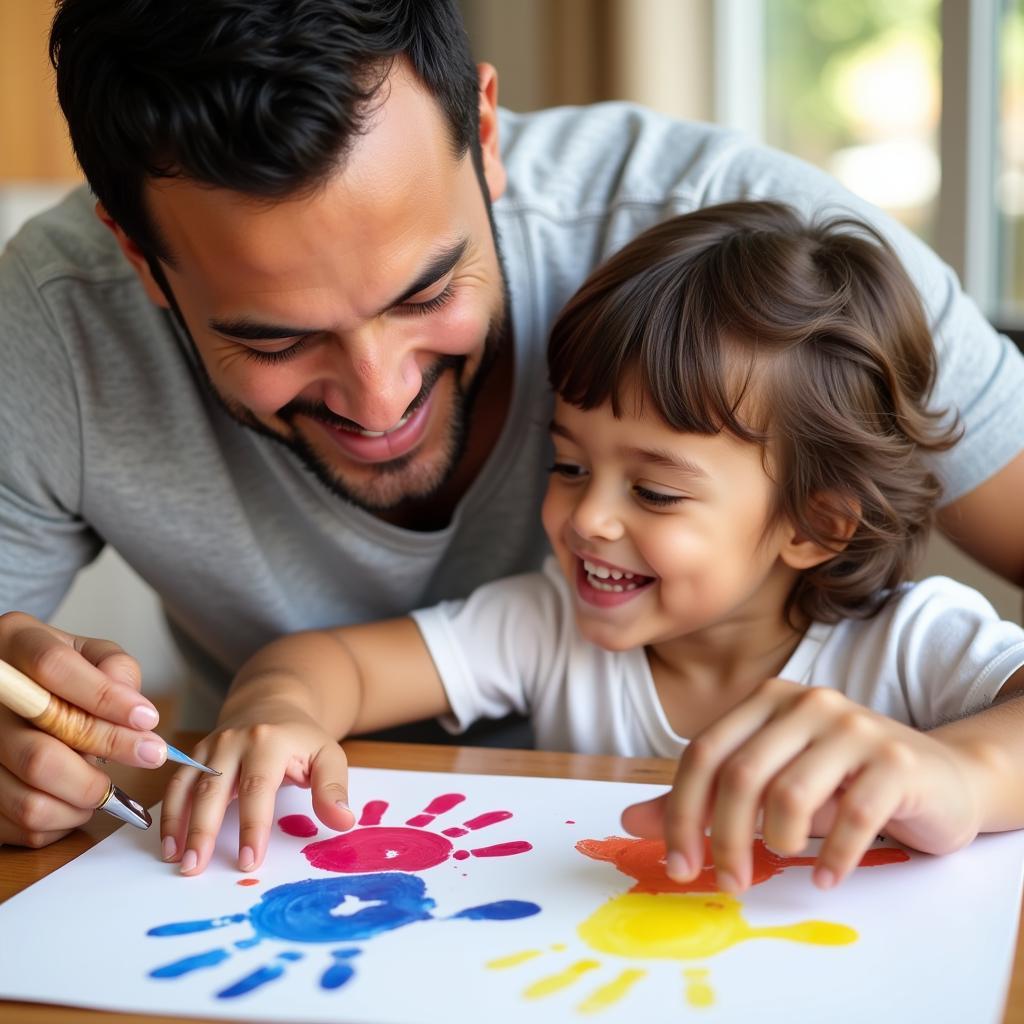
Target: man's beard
[(403, 483), (409, 480)]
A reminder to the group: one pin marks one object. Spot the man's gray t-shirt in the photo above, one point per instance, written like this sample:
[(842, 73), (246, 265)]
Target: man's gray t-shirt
[(110, 434)]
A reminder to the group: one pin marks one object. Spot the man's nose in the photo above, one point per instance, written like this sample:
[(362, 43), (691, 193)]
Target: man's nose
[(370, 379)]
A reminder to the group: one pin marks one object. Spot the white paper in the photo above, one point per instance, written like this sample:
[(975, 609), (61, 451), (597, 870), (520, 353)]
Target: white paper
[(934, 937)]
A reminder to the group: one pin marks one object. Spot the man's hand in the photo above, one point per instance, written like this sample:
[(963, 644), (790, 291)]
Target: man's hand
[(256, 750), (808, 761), (47, 789)]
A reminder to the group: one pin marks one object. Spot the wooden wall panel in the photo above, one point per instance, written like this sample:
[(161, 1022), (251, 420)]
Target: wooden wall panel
[(33, 140)]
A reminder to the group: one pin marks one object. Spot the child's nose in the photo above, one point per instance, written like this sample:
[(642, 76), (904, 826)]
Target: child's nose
[(596, 516)]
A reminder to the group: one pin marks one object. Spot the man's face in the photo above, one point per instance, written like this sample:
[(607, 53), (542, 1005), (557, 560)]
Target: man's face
[(352, 323)]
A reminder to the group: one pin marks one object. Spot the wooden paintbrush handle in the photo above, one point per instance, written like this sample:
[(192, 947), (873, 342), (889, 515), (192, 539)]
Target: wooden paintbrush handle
[(22, 695), (73, 726), (70, 724)]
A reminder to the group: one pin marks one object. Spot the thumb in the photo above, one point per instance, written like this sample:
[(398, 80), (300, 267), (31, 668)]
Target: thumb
[(328, 779), (647, 819)]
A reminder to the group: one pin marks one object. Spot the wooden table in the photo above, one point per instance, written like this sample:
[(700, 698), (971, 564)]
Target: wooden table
[(20, 868)]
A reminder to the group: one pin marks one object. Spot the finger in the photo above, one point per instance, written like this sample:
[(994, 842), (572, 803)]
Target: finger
[(211, 795), (32, 815), (801, 795), (798, 717), (259, 780), (14, 835), (688, 805), (646, 819), (174, 813), (40, 762), (56, 664), (329, 784), (862, 813), (740, 791)]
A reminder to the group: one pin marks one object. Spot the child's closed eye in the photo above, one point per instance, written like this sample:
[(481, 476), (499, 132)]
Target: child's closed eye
[(660, 499)]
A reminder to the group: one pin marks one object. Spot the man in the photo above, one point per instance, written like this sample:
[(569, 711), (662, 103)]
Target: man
[(284, 366)]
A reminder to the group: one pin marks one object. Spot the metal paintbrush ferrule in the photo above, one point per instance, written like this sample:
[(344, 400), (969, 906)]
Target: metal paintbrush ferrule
[(119, 804)]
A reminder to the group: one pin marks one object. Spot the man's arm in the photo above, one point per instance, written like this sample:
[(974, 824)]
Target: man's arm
[(988, 522)]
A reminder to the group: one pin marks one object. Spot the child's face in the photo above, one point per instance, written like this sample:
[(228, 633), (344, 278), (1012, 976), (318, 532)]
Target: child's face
[(686, 514)]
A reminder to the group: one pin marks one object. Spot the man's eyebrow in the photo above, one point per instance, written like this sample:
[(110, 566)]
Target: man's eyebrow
[(440, 264), (252, 330), (246, 329)]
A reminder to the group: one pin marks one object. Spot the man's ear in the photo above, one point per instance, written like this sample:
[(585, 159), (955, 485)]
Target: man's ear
[(835, 517), (134, 255), (494, 169)]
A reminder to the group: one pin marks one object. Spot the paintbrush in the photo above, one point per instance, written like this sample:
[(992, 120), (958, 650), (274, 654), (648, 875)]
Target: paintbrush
[(72, 725)]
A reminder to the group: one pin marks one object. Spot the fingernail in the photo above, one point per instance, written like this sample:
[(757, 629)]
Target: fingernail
[(151, 751), (170, 848), (823, 878), (143, 717), (727, 882), (677, 867), (189, 861), (246, 858)]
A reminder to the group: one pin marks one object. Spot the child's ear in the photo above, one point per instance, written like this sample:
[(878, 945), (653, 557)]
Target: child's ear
[(835, 517)]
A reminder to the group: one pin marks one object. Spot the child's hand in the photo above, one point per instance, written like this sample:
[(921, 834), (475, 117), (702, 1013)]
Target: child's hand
[(256, 750), (808, 761)]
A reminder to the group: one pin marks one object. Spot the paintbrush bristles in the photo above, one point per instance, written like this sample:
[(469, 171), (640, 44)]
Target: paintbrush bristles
[(21, 694), (75, 727)]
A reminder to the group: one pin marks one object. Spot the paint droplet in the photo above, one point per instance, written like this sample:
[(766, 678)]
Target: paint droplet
[(248, 881), (569, 821), (698, 991), (460, 854), (297, 825)]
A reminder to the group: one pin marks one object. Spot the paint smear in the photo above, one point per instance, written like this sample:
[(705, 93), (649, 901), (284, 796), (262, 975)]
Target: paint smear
[(687, 926), (373, 812), (607, 995), (248, 881), (563, 979), (439, 805), (379, 849), (644, 861), (300, 825), (511, 849)]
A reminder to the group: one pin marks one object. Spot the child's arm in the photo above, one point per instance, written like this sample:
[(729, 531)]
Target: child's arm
[(809, 761), (282, 719)]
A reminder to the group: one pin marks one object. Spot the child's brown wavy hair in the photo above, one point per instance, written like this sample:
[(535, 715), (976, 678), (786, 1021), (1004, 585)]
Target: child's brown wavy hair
[(817, 336)]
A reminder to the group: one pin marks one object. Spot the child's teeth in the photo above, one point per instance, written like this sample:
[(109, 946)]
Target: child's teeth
[(599, 575)]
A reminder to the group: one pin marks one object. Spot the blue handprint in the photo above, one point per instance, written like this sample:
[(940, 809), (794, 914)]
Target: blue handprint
[(345, 909)]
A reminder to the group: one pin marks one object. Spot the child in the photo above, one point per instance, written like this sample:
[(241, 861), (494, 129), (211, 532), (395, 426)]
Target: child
[(741, 479)]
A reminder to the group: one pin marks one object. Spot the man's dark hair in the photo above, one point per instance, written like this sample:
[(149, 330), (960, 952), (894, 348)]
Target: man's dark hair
[(806, 338), (262, 97)]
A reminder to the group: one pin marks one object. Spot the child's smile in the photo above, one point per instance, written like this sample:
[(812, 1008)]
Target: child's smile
[(605, 585)]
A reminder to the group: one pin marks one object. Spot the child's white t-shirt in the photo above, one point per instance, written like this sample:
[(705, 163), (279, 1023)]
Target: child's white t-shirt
[(937, 651)]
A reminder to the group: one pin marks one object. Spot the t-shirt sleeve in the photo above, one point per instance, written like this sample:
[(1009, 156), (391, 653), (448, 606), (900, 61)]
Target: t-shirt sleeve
[(43, 537), (954, 651), (496, 649)]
